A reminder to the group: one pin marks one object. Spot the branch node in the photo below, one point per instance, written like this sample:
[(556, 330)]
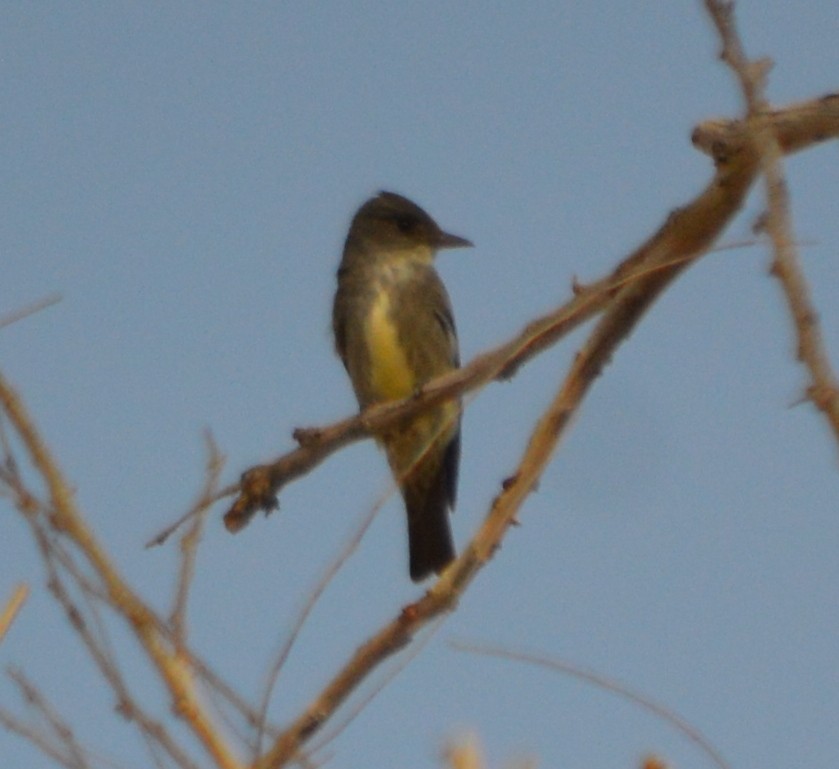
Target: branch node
[(509, 481), (257, 493), (313, 721), (306, 436), (822, 396)]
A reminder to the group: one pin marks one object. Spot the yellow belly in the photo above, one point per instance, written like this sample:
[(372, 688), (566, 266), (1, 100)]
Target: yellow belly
[(391, 376)]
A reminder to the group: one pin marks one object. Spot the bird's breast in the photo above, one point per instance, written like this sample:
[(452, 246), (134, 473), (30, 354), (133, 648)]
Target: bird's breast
[(391, 375)]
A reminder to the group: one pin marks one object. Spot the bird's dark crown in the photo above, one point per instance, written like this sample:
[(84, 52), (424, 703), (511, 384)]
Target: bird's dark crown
[(392, 220)]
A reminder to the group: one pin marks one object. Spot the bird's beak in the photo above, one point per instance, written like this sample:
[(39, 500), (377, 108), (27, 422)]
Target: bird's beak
[(447, 240)]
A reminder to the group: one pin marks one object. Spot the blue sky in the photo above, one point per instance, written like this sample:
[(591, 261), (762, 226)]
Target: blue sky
[(184, 176)]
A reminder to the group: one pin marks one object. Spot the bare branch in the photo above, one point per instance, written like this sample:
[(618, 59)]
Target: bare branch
[(751, 74), (799, 126), (30, 309), (190, 540), (769, 144), (13, 606), (609, 685), (95, 640), (823, 390), (683, 237), (796, 127), (311, 601), (260, 485), (60, 737), (35, 736), (173, 667), (328, 736)]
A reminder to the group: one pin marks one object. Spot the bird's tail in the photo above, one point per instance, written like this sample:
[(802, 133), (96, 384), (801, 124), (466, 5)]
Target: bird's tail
[(424, 458), (430, 543), (429, 494)]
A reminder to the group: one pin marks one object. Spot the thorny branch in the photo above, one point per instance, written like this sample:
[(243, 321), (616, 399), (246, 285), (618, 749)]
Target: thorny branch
[(684, 237), (823, 390), (728, 142)]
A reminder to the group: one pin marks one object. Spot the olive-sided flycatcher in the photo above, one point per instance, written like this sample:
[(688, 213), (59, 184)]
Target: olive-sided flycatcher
[(394, 331)]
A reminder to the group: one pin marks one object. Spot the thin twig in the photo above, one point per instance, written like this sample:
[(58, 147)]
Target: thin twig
[(259, 485), (348, 547), (404, 660), (174, 669), (30, 309), (35, 736), (823, 390), (55, 555), (798, 127), (607, 684), (190, 540), (98, 645), (13, 606), (334, 567), (62, 734)]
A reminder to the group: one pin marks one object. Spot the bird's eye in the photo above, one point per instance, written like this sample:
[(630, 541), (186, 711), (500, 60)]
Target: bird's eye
[(406, 224)]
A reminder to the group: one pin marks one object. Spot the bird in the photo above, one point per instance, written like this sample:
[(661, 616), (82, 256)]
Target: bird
[(394, 331)]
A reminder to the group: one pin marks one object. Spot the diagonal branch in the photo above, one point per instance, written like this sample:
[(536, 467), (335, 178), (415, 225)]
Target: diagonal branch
[(59, 740), (600, 681), (260, 484), (173, 667), (685, 235), (30, 309), (189, 542), (730, 143), (12, 607)]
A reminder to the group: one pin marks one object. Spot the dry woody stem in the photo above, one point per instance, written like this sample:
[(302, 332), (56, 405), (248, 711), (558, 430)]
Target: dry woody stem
[(767, 139), (684, 237)]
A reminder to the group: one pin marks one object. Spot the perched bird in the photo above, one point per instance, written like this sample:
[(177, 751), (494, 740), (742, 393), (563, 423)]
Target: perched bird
[(394, 331)]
